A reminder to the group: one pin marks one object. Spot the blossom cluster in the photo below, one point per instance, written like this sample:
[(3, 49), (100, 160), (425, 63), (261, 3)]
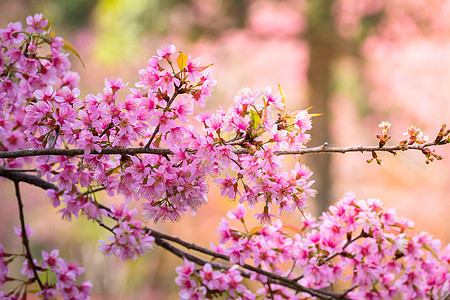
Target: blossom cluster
[(42, 108), (356, 241), (4, 269), (158, 115), (66, 275), (129, 238), (206, 283), (416, 138), (24, 70), (260, 177)]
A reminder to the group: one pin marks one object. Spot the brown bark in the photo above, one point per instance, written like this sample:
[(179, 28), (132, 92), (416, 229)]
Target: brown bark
[(325, 46)]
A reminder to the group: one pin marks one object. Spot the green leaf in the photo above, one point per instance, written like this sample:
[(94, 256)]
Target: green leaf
[(427, 247), (157, 141), (49, 31), (71, 48), (256, 119)]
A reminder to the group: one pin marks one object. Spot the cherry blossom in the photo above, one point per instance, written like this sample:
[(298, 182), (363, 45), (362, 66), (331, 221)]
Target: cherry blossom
[(150, 145)]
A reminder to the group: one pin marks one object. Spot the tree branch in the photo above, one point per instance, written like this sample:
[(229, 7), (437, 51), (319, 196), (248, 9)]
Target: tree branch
[(75, 152), (156, 130), (22, 177), (272, 278), (24, 236), (326, 149), (162, 238), (141, 150)]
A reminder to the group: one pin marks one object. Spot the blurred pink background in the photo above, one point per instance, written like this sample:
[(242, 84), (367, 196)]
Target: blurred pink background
[(382, 60)]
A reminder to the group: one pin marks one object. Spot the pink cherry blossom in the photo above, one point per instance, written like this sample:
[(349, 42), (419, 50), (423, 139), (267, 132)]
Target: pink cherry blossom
[(43, 108), (28, 230), (36, 23), (11, 34)]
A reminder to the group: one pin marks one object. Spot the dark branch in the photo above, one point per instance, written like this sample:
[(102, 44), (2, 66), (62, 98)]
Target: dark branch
[(24, 236), (75, 152), (175, 94), (156, 151), (31, 179), (361, 235), (272, 278), (161, 240)]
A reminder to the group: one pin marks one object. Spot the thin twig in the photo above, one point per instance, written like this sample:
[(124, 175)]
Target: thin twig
[(270, 290), (99, 189), (175, 94), (55, 138), (101, 224), (24, 236), (361, 235), (351, 289), (110, 125), (360, 148), (155, 132)]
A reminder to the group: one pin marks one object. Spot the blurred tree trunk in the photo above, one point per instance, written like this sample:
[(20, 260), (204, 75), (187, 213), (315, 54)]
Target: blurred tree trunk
[(319, 75), (325, 47)]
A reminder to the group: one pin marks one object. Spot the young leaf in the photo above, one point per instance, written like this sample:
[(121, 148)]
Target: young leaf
[(71, 48), (283, 97), (313, 115), (201, 69), (429, 249), (256, 229), (182, 61), (50, 33), (291, 228), (256, 119)]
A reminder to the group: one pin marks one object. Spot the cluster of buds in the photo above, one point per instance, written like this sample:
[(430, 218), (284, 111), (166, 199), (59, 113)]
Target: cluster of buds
[(416, 139), (376, 158), (384, 137), (415, 135), (443, 135), (430, 155)]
